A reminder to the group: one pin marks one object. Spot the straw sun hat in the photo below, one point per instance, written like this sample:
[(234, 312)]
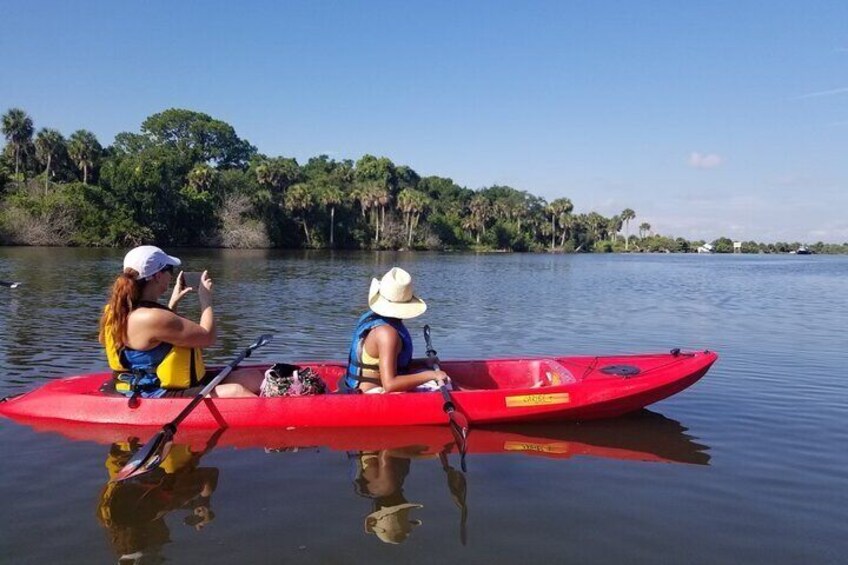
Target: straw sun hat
[(392, 296), (392, 524)]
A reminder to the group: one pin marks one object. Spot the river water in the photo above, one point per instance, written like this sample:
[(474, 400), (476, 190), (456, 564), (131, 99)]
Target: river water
[(747, 466)]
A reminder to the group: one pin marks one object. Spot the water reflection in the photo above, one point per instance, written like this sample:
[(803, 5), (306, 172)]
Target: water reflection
[(379, 476), (381, 460), (133, 512)]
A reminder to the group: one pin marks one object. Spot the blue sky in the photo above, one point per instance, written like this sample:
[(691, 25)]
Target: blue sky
[(708, 119)]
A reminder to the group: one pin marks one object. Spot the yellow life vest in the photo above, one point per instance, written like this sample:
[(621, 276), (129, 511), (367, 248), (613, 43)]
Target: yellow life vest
[(181, 368)]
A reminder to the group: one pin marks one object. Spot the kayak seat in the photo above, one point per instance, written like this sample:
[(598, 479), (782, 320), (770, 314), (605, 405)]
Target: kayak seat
[(549, 372)]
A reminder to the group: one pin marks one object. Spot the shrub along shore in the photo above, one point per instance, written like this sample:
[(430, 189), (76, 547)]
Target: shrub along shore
[(189, 179)]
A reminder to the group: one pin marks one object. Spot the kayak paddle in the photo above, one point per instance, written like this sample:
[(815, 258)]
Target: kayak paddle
[(458, 421), (10, 284), (156, 449)]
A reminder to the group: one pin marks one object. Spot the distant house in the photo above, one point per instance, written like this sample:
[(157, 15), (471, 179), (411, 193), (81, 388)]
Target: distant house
[(737, 247), (706, 248)]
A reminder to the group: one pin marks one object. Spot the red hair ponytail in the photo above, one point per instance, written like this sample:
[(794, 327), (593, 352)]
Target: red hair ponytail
[(125, 294)]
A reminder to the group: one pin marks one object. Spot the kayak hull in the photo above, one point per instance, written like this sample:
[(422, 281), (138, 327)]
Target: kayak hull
[(492, 391)]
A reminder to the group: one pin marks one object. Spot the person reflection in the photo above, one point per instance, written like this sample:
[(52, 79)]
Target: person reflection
[(379, 475), (133, 512)]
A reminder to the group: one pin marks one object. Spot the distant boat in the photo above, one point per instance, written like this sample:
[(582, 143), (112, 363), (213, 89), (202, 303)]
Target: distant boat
[(802, 250)]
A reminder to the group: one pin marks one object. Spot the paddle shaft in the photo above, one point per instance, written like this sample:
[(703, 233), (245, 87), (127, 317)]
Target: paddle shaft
[(458, 421), (225, 372), (431, 354), (198, 398)]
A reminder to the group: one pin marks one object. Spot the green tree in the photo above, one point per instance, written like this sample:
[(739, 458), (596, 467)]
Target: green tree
[(723, 245), (330, 196), (626, 215), (277, 174), (18, 130), (199, 137), (613, 227), (202, 178), (597, 225), (49, 147), (480, 212), (300, 200), (644, 230), (85, 151), (377, 177), (412, 203), (557, 209)]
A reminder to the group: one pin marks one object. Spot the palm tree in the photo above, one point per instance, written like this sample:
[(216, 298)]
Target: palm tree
[(383, 197), (277, 174), (84, 150), (626, 215), (559, 209), (412, 203), (202, 177), (330, 195), (18, 129), (49, 145), (644, 229), (597, 225), (614, 227), (299, 200), (481, 212)]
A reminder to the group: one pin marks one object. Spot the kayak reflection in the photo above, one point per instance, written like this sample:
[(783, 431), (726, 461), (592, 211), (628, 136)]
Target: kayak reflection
[(641, 436), (133, 512)]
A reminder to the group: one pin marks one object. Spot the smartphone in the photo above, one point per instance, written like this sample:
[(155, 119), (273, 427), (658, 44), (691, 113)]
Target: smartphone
[(192, 278)]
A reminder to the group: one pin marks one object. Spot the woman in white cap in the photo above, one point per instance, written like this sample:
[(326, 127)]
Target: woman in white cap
[(153, 351), (380, 357)]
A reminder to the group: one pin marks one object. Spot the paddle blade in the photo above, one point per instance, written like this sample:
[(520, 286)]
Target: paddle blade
[(263, 340), (148, 457)]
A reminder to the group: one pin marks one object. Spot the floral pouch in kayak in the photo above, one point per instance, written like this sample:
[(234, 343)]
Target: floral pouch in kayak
[(283, 379)]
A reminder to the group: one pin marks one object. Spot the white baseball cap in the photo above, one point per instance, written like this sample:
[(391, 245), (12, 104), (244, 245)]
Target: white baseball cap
[(147, 260)]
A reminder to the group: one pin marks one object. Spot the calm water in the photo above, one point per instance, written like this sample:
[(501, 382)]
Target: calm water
[(747, 466)]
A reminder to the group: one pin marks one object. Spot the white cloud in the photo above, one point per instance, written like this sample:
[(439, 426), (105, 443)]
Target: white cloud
[(704, 161), (843, 90)]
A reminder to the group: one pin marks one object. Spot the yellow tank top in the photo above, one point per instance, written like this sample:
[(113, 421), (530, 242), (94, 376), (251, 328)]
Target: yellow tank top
[(368, 360)]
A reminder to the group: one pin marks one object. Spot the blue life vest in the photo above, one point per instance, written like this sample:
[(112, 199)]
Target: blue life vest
[(143, 379), (367, 322)]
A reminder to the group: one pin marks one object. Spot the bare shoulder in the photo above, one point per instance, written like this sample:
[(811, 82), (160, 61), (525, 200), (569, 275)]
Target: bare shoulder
[(153, 319), (385, 333)]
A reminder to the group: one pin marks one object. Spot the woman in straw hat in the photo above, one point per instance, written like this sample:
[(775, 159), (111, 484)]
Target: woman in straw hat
[(152, 350), (380, 357)]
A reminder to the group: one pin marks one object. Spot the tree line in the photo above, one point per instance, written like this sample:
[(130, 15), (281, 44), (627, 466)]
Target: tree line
[(187, 178)]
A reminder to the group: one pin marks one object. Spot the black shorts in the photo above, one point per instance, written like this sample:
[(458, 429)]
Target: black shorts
[(191, 391)]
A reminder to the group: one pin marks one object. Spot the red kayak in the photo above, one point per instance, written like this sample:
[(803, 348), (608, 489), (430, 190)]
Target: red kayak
[(486, 392)]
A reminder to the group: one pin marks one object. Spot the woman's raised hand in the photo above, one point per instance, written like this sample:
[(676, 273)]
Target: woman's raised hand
[(204, 289), (180, 290)]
